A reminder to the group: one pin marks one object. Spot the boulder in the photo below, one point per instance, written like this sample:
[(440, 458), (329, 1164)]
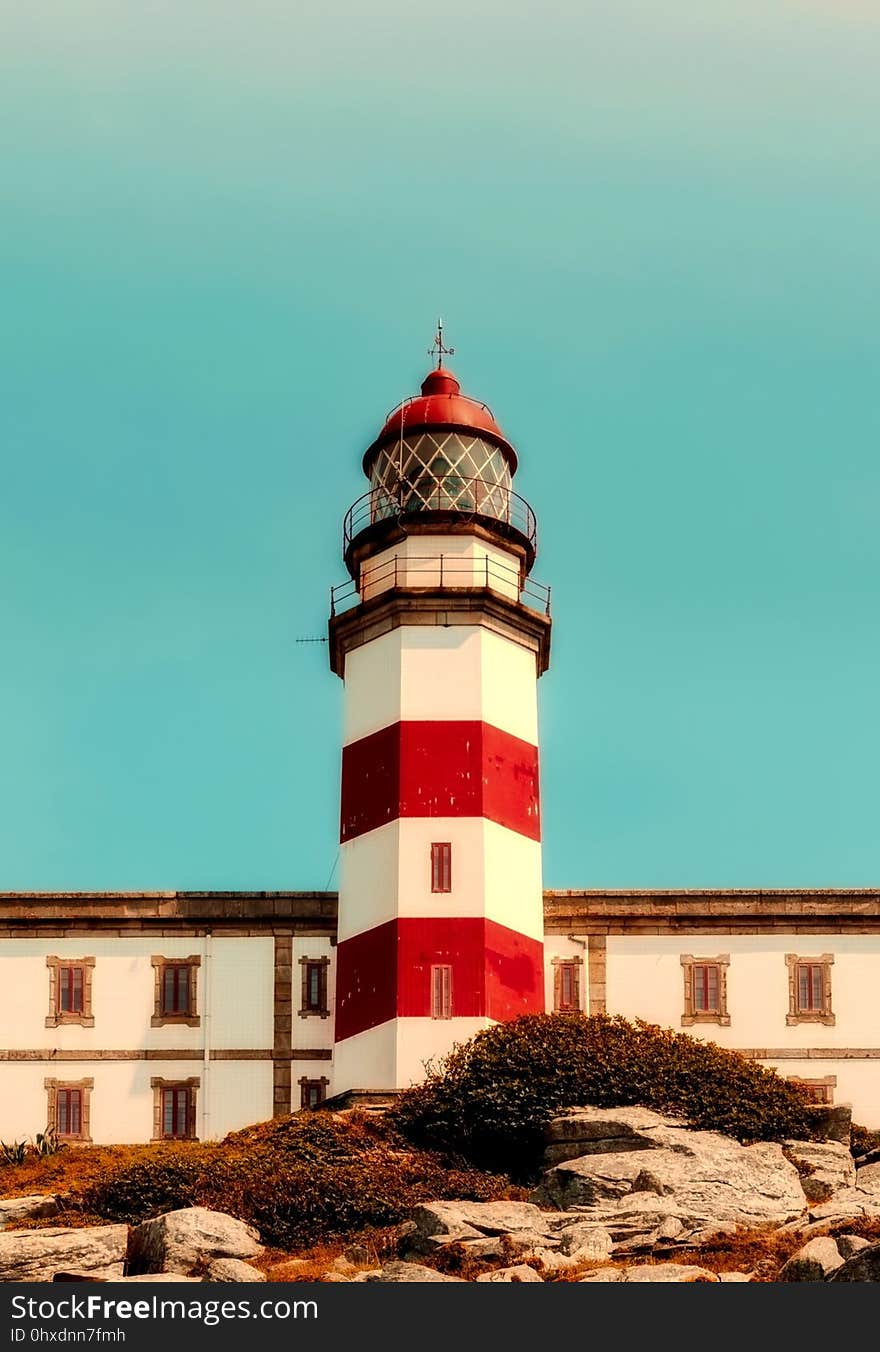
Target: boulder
[(190, 1238), (825, 1167), (173, 1277), (831, 1121), (586, 1243), (599, 1131), (668, 1272), (813, 1263), (28, 1208), (864, 1266), (232, 1270), (144, 1277), (848, 1204), (603, 1274), (699, 1176), (552, 1260), (405, 1272), (469, 1220), (520, 1273), (867, 1179), (36, 1255), (734, 1276), (847, 1245)]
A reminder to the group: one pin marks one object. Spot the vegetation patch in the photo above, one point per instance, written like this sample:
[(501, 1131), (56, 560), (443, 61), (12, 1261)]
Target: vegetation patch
[(300, 1180), (491, 1097)]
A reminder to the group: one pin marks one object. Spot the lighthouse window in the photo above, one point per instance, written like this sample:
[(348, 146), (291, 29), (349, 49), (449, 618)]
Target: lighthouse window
[(441, 866), (441, 992)]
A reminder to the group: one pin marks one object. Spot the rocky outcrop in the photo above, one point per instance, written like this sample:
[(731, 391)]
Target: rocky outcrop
[(815, 1262), (830, 1121), (404, 1272), (668, 1272), (864, 1266), (521, 1272), (490, 1230), (232, 1270), (825, 1167), (189, 1240), (700, 1177), (36, 1255), (34, 1207)]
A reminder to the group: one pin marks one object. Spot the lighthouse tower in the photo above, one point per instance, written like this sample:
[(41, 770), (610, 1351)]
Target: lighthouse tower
[(439, 638)]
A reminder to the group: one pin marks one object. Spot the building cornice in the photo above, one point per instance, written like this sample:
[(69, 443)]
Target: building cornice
[(566, 911)]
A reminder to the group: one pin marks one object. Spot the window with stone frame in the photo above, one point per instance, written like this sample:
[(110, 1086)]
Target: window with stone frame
[(567, 985), (312, 1093), (314, 989), (819, 1090), (70, 992), (174, 1109), (68, 1109), (175, 993), (809, 989), (705, 989)]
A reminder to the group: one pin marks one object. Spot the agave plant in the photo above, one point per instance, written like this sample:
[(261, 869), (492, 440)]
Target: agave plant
[(14, 1152), (47, 1142)]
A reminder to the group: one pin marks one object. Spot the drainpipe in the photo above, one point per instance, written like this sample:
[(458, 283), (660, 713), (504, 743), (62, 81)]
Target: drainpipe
[(206, 1035)]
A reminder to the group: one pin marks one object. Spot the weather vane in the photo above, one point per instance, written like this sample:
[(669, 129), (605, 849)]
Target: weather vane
[(438, 348)]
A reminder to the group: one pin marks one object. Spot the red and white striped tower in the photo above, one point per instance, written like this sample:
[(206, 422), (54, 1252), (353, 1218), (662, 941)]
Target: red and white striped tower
[(440, 895)]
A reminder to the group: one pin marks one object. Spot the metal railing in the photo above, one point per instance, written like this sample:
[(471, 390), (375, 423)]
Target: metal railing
[(430, 572), (462, 498)]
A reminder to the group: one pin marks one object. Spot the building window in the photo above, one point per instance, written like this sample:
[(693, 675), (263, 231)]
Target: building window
[(70, 992), (68, 1108), (312, 1092), (441, 992), (175, 995), (174, 1109), (314, 988), (817, 1091), (441, 866), (705, 989), (567, 985), (809, 989)]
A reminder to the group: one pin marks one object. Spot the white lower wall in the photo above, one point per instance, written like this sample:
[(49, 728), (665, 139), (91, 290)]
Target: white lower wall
[(394, 1054)]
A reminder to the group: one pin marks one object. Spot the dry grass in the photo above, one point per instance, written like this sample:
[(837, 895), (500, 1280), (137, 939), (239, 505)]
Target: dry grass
[(76, 1168)]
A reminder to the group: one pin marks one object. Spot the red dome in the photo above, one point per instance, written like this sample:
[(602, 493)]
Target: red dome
[(441, 405)]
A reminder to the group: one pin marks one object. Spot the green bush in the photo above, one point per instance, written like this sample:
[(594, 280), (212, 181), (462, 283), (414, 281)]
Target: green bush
[(491, 1097), (299, 1180)]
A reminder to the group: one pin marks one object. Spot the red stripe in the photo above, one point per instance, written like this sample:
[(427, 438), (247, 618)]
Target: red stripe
[(385, 972), (440, 769)]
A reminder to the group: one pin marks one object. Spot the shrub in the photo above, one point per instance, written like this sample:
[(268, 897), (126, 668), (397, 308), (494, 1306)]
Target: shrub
[(863, 1140), (491, 1097), (299, 1180)]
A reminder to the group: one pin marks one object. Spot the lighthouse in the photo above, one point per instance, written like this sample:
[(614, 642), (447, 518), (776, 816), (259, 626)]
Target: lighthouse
[(439, 637)]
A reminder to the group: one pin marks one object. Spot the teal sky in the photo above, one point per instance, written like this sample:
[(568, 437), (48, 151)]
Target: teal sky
[(226, 230)]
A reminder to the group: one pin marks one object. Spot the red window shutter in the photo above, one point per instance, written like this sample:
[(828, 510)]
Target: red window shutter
[(441, 866), (441, 992)]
